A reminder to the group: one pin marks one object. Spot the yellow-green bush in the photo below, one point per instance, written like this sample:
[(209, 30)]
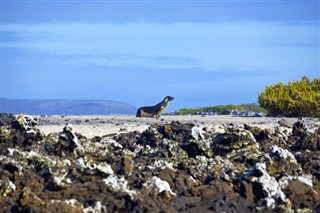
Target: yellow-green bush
[(297, 98)]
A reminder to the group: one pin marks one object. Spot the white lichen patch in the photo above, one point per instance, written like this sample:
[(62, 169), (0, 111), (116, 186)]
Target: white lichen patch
[(247, 134), (284, 181), (283, 132), (31, 131), (269, 183), (305, 179), (85, 164), (224, 176), (202, 165), (66, 162), (61, 180), (272, 189), (95, 148), (269, 202), (159, 184), (70, 202), (10, 152), (69, 128), (112, 142), (105, 168), (197, 133), (119, 184), (224, 163), (6, 188), (21, 159), (80, 163), (12, 186), (283, 153), (161, 164), (98, 207), (26, 121), (5, 131), (218, 129)]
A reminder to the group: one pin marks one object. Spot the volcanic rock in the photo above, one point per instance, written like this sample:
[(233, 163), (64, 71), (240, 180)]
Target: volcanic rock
[(170, 167)]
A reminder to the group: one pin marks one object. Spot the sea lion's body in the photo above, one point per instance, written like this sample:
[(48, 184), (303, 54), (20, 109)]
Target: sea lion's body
[(154, 111)]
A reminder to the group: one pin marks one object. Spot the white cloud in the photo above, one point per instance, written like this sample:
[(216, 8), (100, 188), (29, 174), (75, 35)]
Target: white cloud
[(211, 46), (131, 60)]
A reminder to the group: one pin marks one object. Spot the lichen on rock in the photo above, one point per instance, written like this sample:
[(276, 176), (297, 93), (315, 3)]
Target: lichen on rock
[(169, 167)]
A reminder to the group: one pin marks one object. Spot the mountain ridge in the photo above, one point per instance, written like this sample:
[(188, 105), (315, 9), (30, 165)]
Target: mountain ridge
[(65, 106)]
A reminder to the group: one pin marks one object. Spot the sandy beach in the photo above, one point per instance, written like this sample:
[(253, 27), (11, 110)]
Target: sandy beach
[(91, 126)]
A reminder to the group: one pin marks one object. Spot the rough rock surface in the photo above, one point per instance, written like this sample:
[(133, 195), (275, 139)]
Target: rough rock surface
[(172, 167)]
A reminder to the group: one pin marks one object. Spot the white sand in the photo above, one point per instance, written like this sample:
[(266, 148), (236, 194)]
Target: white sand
[(91, 126)]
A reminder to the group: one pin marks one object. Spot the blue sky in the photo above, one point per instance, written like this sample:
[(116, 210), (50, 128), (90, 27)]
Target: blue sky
[(203, 53)]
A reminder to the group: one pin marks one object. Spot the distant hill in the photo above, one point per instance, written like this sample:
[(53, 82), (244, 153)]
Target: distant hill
[(66, 107)]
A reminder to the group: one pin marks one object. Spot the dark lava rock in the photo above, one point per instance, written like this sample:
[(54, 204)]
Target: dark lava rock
[(176, 131), (150, 137), (21, 133), (299, 129), (6, 119), (172, 167), (310, 162), (257, 132), (301, 194), (310, 142), (233, 139), (68, 142), (192, 149)]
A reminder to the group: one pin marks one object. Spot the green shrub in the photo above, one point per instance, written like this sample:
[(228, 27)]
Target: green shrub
[(297, 98), (220, 109), (192, 111)]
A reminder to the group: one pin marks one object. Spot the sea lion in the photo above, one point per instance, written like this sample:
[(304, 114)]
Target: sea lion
[(154, 111)]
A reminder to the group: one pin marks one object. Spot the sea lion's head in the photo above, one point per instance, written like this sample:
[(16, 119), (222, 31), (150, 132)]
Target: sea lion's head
[(168, 98)]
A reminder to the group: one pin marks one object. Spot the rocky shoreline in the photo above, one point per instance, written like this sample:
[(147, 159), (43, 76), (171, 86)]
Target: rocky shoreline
[(170, 166), (91, 126)]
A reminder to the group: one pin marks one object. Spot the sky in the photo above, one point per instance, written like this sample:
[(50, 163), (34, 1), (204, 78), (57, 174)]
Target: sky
[(203, 53)]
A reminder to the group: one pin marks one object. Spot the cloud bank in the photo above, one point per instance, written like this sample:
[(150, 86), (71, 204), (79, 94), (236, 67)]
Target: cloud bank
[(182, 45)]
